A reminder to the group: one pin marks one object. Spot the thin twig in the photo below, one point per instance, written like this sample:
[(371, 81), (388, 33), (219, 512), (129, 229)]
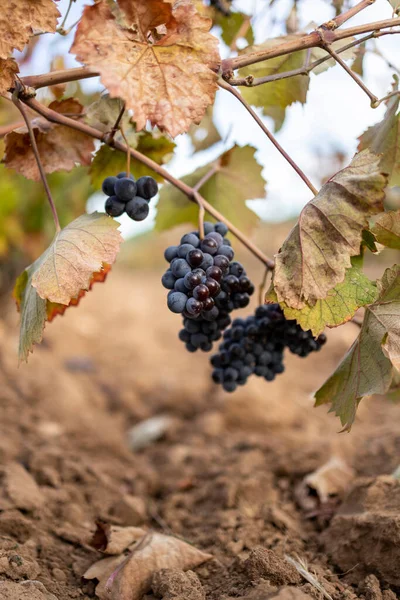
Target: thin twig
[(117, 122), (232, 90), (128, 154), (374, 100), (198, 198), (395, 93), (22, 110), (61, 29), (55, 117), (340, 19)]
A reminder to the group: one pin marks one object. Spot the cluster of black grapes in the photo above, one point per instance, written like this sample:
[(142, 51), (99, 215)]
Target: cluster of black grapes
[(205, 285), (255, 346), (130, 196)]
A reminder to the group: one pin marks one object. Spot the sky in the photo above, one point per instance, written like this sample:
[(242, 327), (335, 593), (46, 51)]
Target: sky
[(336, 113)]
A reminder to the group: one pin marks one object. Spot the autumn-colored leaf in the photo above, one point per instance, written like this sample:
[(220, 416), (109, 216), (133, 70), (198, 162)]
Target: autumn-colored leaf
[(317, 252), (128, 576), (395, 4), (386, 229), (205, 134), (339, 306), (21, 18), (77, 251), (367, 367), (384, 139), (109, 162), (158, 57), (59, 147), (8, 70), (236, 179), (358, 62), (103, 113)]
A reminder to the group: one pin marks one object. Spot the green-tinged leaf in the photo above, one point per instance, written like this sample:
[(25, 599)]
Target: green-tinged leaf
[(77, 251), (386, 229), (232, 25), (395, 4), (281, 93), (237, 179), (104, 112), (110, 162), (367, 367), (384, 139), (338, 307), (369, 241), (317, 252), (205, 134)]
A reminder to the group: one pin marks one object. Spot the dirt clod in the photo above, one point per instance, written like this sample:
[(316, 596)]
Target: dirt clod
[(28, 590), (173, 584), (267, 564)]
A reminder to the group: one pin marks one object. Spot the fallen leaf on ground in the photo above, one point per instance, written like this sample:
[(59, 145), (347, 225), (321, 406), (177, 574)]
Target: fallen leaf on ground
[(21, 18), (331, 479), (60, 147), (129, 576), (158, 57), (318, 250), (111, 539)]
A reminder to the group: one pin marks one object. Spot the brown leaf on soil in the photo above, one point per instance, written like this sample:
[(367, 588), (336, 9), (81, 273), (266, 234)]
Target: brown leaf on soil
[(112, 539), (59, 147), (331, 479), (159, 57), (21, 18), (8, 70), (129, 576)]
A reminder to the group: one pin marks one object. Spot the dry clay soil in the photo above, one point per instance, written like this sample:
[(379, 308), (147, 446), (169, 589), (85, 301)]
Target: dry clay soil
[(225, 475)]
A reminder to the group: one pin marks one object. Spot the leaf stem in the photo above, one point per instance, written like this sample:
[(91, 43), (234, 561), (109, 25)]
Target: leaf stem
[(55, 117), (61, 27), (117, 123), (128, 154), (224, 85), (22, 110), (348, 14)]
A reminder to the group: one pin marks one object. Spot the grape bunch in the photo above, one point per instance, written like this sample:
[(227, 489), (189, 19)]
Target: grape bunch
[(130, 196), (255, 346), (205, 285)]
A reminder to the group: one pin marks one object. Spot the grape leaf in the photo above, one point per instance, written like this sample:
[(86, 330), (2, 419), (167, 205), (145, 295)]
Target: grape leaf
[(384, 138), (237, 179), (205, 134), (281, 93), (77, 251), (35, 311), (8, 70), (231, 26), (339, 306), (158, 57), (367, 367), (109, 162), (317, 252), (395, 4), (60, 147), (21, 18), (386, 229), (358, 63), (103, 113)]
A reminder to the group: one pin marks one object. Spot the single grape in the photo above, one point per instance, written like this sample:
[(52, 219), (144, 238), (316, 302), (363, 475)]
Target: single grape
[(236, 269), (191, 238), (221, 228), (208, 261), (231, 283), (177, 302), (229, 386), (180, 286), (184, 335), (147, 187), (213, 286), (114, 207), (137, 209), (217, 237), (171, 252), (195, 257), (226, 251), (214, 273), (208, 304), (168, 280), (123, 174), (125, 189), (201, 292), (191, 280), (209, 245), (184, 249), (108, 185), (222, 262), (208, 227), (194, 306)]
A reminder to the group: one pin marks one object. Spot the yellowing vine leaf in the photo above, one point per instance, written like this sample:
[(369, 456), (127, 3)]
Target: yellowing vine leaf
[(77, 251), (205, 134), (159, 57), (60, 147), (129, 576), (233, 25), (384, 139), (339, 305), (19, 19), (386, 229), (317, 252), (367, 367), (237, 179), (8, 70), (395, 4)]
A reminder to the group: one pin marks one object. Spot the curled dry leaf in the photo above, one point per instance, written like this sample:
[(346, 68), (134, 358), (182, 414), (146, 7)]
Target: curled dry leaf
[(112, 539), (331, 479), (318, 250), (21, 18), (60, 148), (158, 57), (8, 70), (129, 576)]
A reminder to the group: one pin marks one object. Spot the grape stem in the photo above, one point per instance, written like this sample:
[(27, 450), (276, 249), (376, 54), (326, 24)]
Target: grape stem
[(224, 85), (198, 199), (117, 124), (128, 154), (35, 150), (188, 191)]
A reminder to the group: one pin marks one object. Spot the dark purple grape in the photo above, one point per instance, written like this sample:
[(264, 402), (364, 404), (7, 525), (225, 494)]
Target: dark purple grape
[(244, 283), (195, 257), (168, 280), (209, 245), (208, 304), (191, 280), (108, 185), (177, 302), (221, 262), (226, 251), (208, 261), (231, 283), (179, 267), (213, 286), (184, 249), (217, 237), (191, 238), (147, 187), (125, 189), (221, 228), (114, 207), (170, 253), (137, 209), (180, 286), (214, 273), (201, 292), (193, 306)]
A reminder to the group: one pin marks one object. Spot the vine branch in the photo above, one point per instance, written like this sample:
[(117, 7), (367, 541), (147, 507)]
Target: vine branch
[(191, 193), (224, 85), (348, 14)]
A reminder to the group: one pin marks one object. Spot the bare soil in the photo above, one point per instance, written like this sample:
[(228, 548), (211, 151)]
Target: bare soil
[(223, 476)]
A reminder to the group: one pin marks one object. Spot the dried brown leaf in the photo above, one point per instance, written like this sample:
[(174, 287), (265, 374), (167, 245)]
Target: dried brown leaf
[(129, 577), (159, 57), (8, 70), (60, 147), (331, 479), (21, 18), (112, 539)]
